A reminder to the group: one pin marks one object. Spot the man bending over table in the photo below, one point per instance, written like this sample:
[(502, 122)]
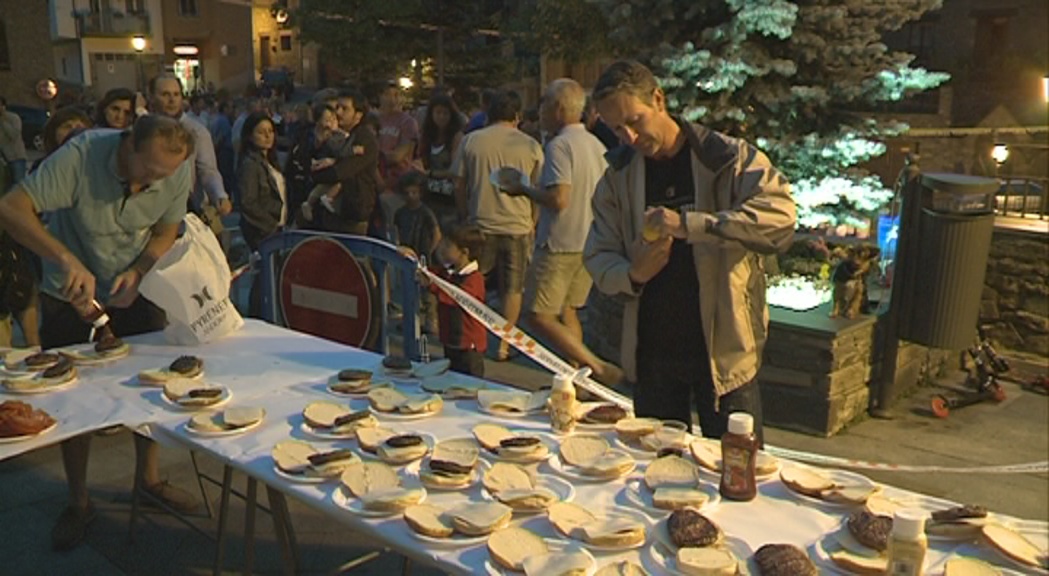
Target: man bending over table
[(116, 200)]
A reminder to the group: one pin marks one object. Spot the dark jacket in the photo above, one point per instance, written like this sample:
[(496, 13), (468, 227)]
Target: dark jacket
[(261, 203), (356, 172)]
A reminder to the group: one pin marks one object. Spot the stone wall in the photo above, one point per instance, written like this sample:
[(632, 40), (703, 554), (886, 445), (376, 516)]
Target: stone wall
[(1015, 307)]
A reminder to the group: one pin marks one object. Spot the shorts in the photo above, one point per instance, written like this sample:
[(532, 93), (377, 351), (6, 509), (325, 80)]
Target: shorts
[(555, 281), (506, 256)]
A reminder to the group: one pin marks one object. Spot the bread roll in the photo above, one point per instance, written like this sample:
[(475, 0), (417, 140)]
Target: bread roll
[(708, 561), (805, 481), (859, 564), (392, 499), (583, 449), (479, 518), (292, 456), (490, 435), (1015, 546), (617, 532), (631, 429), (362, 478), (511, 546), (568, 518), (670, 471), (429, 520), (706, 453), (207, 422), (672, 498), (611, 464), (558, 564), (371, 438), (386, 399), (242, 416), (504, 476), (324, 414)]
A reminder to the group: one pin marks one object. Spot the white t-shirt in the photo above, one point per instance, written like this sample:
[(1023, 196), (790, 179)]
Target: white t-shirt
[(577, 158), (282, 189)]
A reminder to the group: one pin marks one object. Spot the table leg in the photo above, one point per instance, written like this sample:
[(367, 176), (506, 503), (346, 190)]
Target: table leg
[(220, 542), (249, 526), (136, 499), (283, 529), (406, 567), (200, 483)]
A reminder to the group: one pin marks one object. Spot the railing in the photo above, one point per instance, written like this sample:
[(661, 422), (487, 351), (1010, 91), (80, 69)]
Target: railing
[(114, 23), (1023, 197)]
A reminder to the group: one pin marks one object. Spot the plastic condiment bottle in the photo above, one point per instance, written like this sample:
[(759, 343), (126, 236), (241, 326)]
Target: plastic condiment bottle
[(739, 452), (908, 544), (563, 404), (98, 319)]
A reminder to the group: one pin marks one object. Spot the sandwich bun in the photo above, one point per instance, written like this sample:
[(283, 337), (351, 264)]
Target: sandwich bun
[(671, 471), (631, 429), (392, 499), (584, 449), (364, 477), (567, 517), (510, 547), (617, 532), (292, 456), (490, 435), (369, 439), (708, 561), (621, 568), (480, 518), (503, 476), (805, 481), (1015, 546), (860, 564), (612, 464), (429, 520), (673, 498), (528, 499)]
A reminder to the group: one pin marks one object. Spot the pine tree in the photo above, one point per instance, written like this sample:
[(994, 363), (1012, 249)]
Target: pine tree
[(794, 77)]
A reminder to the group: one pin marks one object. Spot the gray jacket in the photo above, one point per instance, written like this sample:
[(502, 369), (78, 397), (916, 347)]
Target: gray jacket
[(260, 200), (743, 211)]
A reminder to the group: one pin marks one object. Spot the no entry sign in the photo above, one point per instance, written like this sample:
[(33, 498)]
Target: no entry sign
[(324, 291)]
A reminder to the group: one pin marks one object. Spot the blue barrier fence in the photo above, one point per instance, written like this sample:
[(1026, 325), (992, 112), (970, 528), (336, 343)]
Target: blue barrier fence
[(381, 257)]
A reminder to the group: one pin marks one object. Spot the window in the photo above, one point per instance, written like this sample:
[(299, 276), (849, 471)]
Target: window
[(920, 41), (285, 42), (187, 7), (991, 40), (5, 56), (133, 6)]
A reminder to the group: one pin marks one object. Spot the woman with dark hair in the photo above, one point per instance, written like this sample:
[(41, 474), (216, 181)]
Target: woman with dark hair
[(441, 133), (116, 109), (61, 126), (261, 184), (263, 192)]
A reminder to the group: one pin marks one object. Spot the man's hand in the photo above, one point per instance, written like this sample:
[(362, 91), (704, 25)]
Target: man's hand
[(224, 207), (665, 222), (79, 285), (649, 259), (125, 289), (407, 252), (510, 181), (322, 163)]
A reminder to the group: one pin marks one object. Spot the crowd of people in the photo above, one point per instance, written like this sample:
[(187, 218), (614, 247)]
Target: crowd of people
[(608, 189)]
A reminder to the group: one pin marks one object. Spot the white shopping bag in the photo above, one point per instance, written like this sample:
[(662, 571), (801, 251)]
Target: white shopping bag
[(191, 284)]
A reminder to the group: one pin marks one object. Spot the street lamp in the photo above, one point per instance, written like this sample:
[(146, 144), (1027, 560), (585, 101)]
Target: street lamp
[(1000, 153), (139, 44)]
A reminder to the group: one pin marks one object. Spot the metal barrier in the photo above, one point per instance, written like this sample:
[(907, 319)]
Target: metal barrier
[(1023, 197), (381, 257)]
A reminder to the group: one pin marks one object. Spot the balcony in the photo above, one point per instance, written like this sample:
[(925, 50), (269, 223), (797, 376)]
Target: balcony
[(113, 23)]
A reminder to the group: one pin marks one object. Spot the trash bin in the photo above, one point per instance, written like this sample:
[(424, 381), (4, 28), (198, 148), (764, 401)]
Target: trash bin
[(953, 241)]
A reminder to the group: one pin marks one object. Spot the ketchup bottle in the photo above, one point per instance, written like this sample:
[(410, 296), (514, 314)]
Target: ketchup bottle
[(739, 452)]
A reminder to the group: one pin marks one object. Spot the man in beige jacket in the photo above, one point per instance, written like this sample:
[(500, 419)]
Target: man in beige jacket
[(683, 218)]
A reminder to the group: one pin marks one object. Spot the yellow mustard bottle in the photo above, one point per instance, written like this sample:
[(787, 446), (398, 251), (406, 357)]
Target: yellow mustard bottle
[(908, 544)]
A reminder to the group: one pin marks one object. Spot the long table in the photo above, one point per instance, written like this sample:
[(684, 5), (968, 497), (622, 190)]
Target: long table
[(282, 371)]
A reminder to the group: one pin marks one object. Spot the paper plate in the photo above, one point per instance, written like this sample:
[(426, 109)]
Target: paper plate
[(23, 437), (638, 493), (414, 468), (40, 389), (839, 477), (539, 409), (430, 369), (227, 395), (619, 513), (397, 416), (145, 384), (222, 433), (573, 472), (441, 384), (85, 355), (565, 492), (554, 546), (830, 542), (302, 479), (456, 540), (343, 499)]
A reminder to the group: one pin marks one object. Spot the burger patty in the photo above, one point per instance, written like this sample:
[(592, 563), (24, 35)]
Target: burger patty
[(353, 375), (41, 359), (605, 414), (404, 441), (690, 529), (61, 368), (871, 530), (108, 342), (397, 363), (959, 513), (783, 560), (187, 365)]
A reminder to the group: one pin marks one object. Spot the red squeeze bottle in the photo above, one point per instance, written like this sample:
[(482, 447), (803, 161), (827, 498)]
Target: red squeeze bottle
[(739, 452)]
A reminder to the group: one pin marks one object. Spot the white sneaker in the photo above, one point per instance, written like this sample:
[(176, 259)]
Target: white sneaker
[(307, 211), (326, 201)]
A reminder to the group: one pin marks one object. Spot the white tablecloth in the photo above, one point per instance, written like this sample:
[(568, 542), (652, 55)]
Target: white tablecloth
[(282, 371)]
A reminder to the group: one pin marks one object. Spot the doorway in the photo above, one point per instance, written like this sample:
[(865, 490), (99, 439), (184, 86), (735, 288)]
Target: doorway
[(264, 53)]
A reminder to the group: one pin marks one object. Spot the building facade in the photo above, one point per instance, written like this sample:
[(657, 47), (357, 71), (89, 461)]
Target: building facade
[(277, 45), (210, 43)]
